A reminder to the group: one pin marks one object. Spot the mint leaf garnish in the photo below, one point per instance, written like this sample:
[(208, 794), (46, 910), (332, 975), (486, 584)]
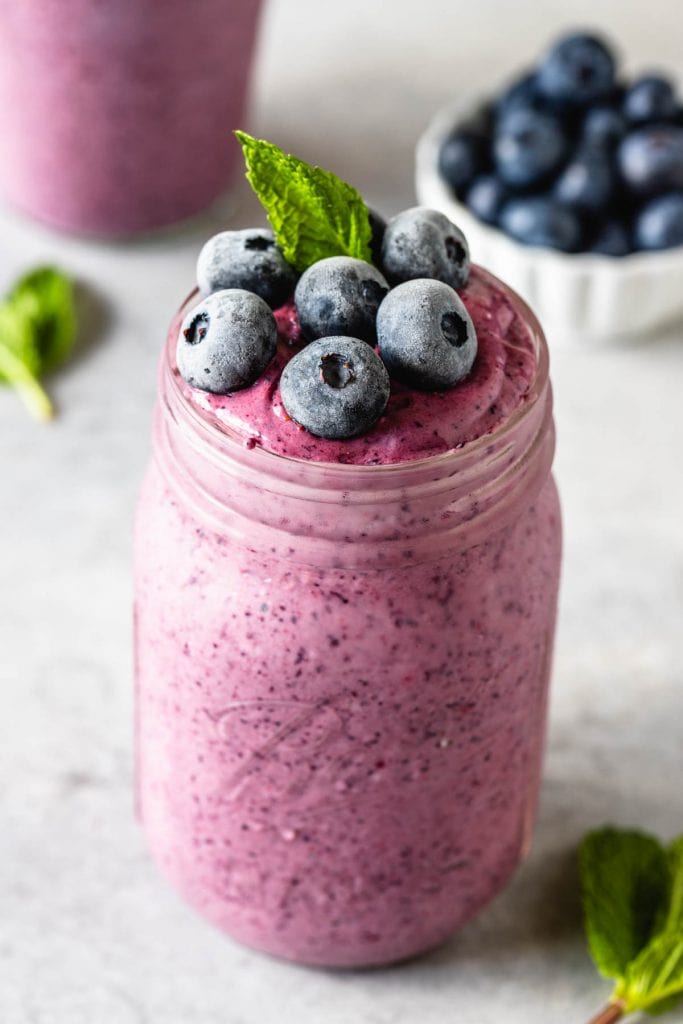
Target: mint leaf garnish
[(624, 878), (37, 334), (633, 907), (313, 213)]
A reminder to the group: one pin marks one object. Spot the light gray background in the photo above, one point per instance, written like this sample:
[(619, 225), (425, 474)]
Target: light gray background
[(88, 932)]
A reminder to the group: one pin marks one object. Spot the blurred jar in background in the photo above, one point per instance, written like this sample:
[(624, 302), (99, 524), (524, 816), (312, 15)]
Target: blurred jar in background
[(116, 117)]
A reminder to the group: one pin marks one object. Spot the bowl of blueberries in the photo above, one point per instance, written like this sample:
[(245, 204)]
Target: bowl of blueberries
[(569, 185)]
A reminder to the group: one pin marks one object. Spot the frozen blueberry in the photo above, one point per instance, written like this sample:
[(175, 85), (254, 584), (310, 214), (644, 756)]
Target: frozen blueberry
[(420, 242), (463, 154), (528, 148), (339, 295), (335, 387), (589, 181), (485, 197), (576, 71), (425, 335), (611, 239), (603, 125), (226, 341), (378, 226), (651, 159), (542, 221), (246, 259), (659, 224), (650, 98)]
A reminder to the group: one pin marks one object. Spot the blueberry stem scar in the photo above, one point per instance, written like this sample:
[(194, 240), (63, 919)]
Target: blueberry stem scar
[(454, 329), (258, 242), (454, 250), (336, 371), (197, 329)]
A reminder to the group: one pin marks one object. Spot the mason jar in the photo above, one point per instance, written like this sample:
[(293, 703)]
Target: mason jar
[(342, 678)]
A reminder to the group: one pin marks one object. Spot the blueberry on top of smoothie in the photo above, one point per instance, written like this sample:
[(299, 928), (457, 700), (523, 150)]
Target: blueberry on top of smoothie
[(335, 387), (246, 259), (426, 336), (420, 242), (226, 341), (340, 295)]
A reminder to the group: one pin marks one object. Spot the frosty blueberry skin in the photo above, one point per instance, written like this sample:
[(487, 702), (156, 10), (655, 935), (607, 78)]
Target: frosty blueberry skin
[(340, 296), (426, 336), (247, 259), (420, 242), (226, 341), (335, 387)]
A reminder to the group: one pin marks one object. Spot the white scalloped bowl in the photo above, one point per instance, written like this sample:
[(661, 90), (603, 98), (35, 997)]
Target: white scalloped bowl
[(601, 297)]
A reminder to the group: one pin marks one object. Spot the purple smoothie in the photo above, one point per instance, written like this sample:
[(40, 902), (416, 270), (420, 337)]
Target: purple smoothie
[(117, 117), (342, 662)]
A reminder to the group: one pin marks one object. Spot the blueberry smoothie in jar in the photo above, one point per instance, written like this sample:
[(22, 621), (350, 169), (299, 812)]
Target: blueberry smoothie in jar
[(348, 548), (92, 95)]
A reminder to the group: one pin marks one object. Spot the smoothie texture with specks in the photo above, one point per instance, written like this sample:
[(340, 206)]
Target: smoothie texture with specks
[(341, 692)]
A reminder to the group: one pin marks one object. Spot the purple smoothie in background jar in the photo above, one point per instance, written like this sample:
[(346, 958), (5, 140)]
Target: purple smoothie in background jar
[(343, 649), (116, 117)]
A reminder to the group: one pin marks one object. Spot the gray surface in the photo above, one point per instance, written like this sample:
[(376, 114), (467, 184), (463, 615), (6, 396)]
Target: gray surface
[(88, 932)]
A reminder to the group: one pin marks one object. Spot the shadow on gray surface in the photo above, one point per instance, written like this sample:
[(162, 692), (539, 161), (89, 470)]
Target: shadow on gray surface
[(94, 316), (541, 907)]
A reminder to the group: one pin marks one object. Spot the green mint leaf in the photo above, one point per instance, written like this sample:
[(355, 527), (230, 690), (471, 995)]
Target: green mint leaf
[(19, 361), (313, 213), (653, 981), (37, 334), (44, 297), (673, 922), (625, 886)]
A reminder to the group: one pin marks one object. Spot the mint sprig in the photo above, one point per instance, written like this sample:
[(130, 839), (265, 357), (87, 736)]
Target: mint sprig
[(313, 213), (37, 334), (632, 889)]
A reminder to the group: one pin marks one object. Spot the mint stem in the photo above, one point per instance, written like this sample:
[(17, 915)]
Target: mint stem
[(610, 1013)]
